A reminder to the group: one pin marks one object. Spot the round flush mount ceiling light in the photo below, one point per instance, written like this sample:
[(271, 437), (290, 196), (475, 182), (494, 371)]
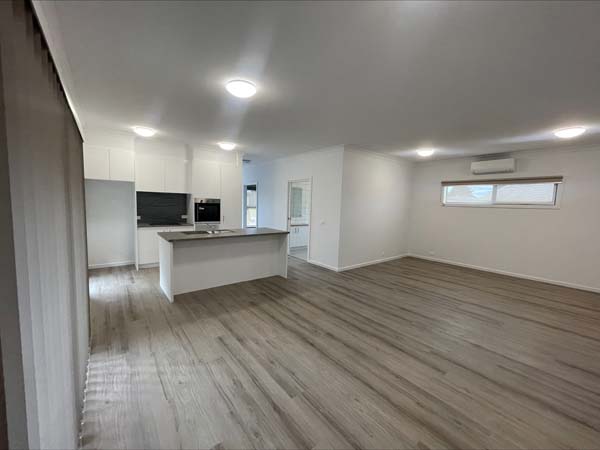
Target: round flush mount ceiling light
[(568, 133), (227, 146), (425, 152), (144, 131), (241, 88)]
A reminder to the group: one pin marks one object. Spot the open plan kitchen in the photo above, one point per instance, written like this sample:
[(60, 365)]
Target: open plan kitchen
[(183, 209)]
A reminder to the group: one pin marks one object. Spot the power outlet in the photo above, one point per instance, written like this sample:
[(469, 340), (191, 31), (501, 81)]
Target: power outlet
[(431, 253), (382, 253)]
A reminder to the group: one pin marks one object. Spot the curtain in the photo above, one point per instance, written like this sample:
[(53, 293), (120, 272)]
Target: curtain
[(45, 164)]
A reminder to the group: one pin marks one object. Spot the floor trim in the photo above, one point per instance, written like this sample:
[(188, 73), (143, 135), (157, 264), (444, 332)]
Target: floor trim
[(320, 264), (356, 266), (505, 272), (374, 261), (111, 264)]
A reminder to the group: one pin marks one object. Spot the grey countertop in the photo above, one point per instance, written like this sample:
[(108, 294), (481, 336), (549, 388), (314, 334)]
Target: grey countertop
[(175, 236), (147, 225)]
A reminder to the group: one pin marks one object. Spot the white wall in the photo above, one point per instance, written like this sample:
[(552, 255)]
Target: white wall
[(110, 209), (561, 245), (375, 208), (325, 168)]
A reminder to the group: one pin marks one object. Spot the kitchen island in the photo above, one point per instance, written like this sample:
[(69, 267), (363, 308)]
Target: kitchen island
[(195, 260)]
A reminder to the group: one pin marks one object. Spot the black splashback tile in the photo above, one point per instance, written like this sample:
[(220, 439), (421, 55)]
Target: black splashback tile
[(159, 208)]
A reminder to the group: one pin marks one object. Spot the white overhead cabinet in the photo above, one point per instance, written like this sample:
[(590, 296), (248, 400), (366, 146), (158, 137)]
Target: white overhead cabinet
[(231, 196), (108, 164), (206, 179), (96, 163), (160, 174), (121, 165), (176, 175), (149, 173)]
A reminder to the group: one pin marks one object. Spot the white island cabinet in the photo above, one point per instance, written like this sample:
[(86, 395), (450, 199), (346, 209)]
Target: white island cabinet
[(198, 260)]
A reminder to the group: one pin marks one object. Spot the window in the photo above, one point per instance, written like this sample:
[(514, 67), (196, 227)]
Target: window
[(515, 192), (250, 201)]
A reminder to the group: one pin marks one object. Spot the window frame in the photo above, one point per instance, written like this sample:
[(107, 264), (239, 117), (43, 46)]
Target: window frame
[(558, 189)]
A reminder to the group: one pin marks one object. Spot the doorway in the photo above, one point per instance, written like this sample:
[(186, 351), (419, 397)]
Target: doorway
[(299, 207), (250, 206)]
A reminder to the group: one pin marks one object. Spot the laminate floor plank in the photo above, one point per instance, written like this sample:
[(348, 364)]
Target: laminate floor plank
[(404, 354)]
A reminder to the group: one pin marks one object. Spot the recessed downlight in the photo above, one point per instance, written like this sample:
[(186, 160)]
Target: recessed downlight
[(425, 152), (568, 133), (241, 88), (228, 146), (144, 131)]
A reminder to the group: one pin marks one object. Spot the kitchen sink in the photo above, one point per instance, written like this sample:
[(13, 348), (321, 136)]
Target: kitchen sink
[(207, 232)]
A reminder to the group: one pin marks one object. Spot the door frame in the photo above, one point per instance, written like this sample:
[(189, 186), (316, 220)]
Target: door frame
[(255, 183), (310, 209)]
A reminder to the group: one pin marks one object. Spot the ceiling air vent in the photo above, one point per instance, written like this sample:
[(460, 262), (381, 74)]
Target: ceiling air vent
[(493, 166)]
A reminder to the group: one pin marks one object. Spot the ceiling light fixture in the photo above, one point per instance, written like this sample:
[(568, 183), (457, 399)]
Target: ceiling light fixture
[(144, 131), (568, 133), (227, 146), (425, 152), (241, 88)]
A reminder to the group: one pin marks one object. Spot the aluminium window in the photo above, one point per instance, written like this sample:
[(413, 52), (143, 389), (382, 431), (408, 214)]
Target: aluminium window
[(541, 192), (250, 206)]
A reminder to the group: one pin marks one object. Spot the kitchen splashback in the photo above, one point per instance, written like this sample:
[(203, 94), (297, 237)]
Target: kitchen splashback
[(159, 208)]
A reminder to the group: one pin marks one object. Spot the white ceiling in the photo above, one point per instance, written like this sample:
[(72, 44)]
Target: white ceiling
[(467, 78)]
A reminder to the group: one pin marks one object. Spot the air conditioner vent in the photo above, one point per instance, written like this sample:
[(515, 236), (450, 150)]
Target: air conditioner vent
[(493, 166)]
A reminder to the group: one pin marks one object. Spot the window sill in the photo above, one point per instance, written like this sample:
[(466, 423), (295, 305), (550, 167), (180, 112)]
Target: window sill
[(503, 206)]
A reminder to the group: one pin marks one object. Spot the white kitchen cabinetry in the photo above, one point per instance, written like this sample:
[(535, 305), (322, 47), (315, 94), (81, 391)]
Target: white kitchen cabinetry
[(149, 173), (206, 179), (108, 164), (121, 165), (160, 174), (148, 245), (148, 242), (96, 163), (176, 176), (231, 196), (299, 236)]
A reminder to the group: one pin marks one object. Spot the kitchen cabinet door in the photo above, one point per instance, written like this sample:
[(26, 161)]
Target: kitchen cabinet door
[(96, 163), (302, 240), (121, 165), (176, 176), (231, 196), (149, 173), (206, 179), (148, 244)]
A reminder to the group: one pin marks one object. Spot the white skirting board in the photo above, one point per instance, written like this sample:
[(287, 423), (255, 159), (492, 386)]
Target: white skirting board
[(111, 264), (511, 274), (356, 266)]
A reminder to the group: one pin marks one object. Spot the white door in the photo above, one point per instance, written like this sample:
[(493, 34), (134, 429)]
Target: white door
[(121, 165), (176, 179), (231, 196), (149, 173), (96, 163), (206, 179)]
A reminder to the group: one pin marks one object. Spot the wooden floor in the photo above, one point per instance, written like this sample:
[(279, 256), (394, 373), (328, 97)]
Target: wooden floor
[(405, 354)]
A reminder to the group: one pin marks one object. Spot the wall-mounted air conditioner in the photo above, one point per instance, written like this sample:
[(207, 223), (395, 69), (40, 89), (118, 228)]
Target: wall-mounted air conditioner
[(493, 166)]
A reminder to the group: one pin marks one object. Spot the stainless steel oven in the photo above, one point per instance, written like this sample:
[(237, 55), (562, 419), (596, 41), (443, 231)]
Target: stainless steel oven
[(207, 210)]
